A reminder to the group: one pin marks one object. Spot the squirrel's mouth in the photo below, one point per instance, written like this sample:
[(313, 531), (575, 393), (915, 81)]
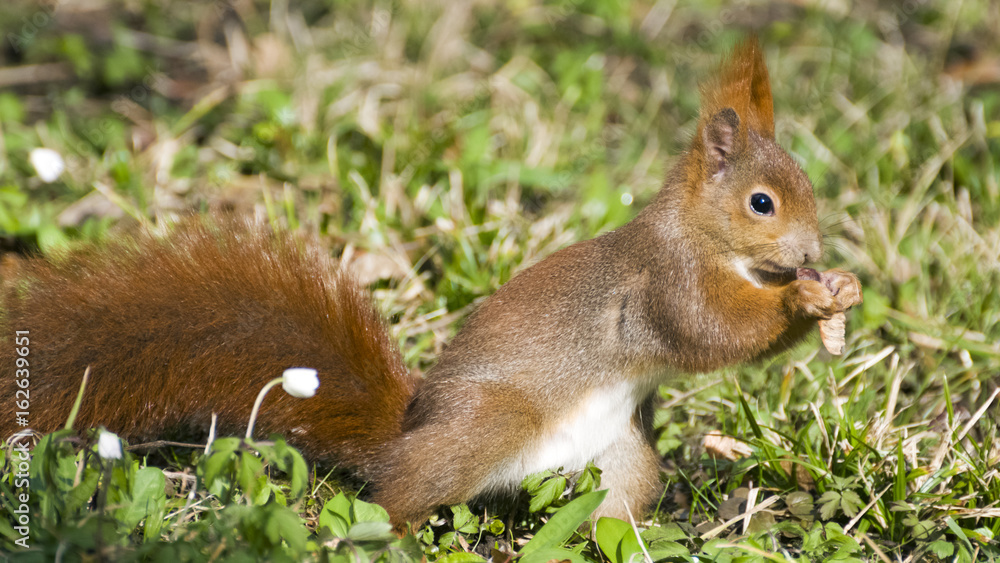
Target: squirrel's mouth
[(772, 272)]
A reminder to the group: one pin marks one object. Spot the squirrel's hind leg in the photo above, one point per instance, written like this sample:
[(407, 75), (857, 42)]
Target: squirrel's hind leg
[(456, 455), (630, 470)]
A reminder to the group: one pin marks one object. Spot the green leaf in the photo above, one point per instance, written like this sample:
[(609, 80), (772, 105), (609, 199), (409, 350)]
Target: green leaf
[(957, 530), (800, 504), (263, 494), (943, 549), (845, 545), (148, 500), (220, 461), (829, 504), (7, 530), (54, 461), (850, 503), (225, 445), (341, 506), (276, 490), (899, 484), (749, 414), (949, 407), (336, 515), (719, 552), (447, 540), (461, 557), (289, 460), (589, 480), (370, 530), (963, 555), (616, 539), (665, 549), (122, 64), (82, 493), (362, 511), (984, 534), (248, 470), (298, 474), (533, 481), (547, 493), (662, 542), (565, 521), (608, 535), (283, 523), (667, 532), (464, 520), (496, 527), (923, 528), (552, 554), (336, 523)]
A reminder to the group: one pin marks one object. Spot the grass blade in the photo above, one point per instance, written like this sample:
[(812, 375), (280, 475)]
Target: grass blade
[(565, 521)]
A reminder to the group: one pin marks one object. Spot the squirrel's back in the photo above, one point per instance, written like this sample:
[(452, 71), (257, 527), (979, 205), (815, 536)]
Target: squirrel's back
[(176, 328)]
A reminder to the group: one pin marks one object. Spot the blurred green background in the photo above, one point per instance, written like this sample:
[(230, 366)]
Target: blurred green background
[(443, 146)]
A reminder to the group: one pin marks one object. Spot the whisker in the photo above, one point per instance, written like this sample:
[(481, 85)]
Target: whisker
[(836, 246), (749, 249), (841, 217), (838, 226)]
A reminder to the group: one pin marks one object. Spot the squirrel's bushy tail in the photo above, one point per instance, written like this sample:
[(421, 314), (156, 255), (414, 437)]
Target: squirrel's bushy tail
[(178, 327)]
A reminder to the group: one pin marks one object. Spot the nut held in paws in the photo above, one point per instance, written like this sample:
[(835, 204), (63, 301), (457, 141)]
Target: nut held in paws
[(831, 331)]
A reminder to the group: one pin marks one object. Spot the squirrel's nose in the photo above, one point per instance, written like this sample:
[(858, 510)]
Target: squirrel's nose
[(813, 251)]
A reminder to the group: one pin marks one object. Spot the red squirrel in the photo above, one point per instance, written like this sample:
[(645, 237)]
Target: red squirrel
[(556, 369)]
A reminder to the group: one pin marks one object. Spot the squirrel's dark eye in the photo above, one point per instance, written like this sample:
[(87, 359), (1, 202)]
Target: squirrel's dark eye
[(761, 204)]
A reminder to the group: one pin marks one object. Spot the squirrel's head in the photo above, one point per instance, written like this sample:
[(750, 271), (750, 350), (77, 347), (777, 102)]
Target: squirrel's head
[(749, 197)]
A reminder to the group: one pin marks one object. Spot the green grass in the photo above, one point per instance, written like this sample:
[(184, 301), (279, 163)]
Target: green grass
[(440, 151)]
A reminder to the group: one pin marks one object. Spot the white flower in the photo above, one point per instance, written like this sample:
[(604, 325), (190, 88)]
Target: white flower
[(109, 446), (49, 164), (300, 382), (297, 382)]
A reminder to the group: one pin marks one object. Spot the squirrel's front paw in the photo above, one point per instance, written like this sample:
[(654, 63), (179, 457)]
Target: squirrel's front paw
[(844, 285), (813, 299), (845, 289)]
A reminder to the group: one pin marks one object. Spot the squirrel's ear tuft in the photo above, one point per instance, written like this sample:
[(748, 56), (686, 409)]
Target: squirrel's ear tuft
[(719, 136), (742, 83)]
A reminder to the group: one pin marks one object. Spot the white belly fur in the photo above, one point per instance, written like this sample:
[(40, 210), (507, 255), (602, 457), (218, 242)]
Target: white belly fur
[(601, 419)]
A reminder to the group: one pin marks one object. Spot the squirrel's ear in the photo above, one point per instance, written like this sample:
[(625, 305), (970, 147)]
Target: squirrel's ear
[(719, 137)]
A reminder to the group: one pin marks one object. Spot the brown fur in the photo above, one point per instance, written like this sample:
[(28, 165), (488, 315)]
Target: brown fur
[(555, 369), (176, 329), (742, 83)]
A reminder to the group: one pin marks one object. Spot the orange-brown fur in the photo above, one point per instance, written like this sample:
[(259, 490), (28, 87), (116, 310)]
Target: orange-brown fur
[(177, 328)]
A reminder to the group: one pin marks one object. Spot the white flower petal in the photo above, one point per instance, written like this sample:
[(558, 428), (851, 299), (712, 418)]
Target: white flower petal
[(109, 446), (300, 382), (49, 164)]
